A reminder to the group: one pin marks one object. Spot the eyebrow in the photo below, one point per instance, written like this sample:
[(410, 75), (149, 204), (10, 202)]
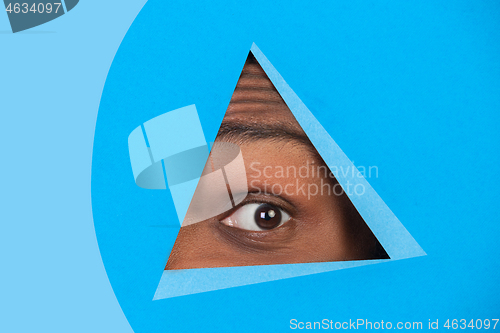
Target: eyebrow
[(241, 133)]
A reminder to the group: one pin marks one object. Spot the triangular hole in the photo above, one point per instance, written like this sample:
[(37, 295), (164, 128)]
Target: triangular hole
[(295, 210)]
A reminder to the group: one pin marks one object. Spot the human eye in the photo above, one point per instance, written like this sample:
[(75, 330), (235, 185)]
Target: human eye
[(257, 217)]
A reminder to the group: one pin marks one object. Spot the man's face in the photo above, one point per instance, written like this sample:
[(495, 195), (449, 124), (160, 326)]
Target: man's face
[(295, 211)]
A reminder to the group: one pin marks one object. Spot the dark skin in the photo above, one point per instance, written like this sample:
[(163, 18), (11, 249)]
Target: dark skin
[(300, 228)]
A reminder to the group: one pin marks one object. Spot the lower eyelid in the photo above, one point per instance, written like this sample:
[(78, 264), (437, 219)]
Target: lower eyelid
[(269, 240)]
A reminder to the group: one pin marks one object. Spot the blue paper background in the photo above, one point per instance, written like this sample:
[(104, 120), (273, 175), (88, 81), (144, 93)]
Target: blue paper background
[(412, 88)]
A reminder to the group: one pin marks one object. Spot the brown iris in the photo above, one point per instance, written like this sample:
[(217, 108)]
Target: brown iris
[(267, 216)]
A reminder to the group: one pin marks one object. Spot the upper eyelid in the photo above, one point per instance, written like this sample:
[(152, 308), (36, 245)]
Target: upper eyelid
[(276, 200), (272, 195), (257, 201), (262, 192)]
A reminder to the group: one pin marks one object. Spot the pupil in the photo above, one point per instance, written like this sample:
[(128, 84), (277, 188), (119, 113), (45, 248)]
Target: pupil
[(267, 216)]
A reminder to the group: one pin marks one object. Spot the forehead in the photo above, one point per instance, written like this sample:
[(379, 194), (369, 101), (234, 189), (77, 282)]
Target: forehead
[(256, 101), (273, 154), (260, 122)]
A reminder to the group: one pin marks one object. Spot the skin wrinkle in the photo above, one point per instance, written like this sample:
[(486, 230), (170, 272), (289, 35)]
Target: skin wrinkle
[(256, 94), (321, 228), (255, 242)]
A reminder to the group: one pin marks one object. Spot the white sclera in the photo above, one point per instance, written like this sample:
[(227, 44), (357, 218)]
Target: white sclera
[(244, 218)]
